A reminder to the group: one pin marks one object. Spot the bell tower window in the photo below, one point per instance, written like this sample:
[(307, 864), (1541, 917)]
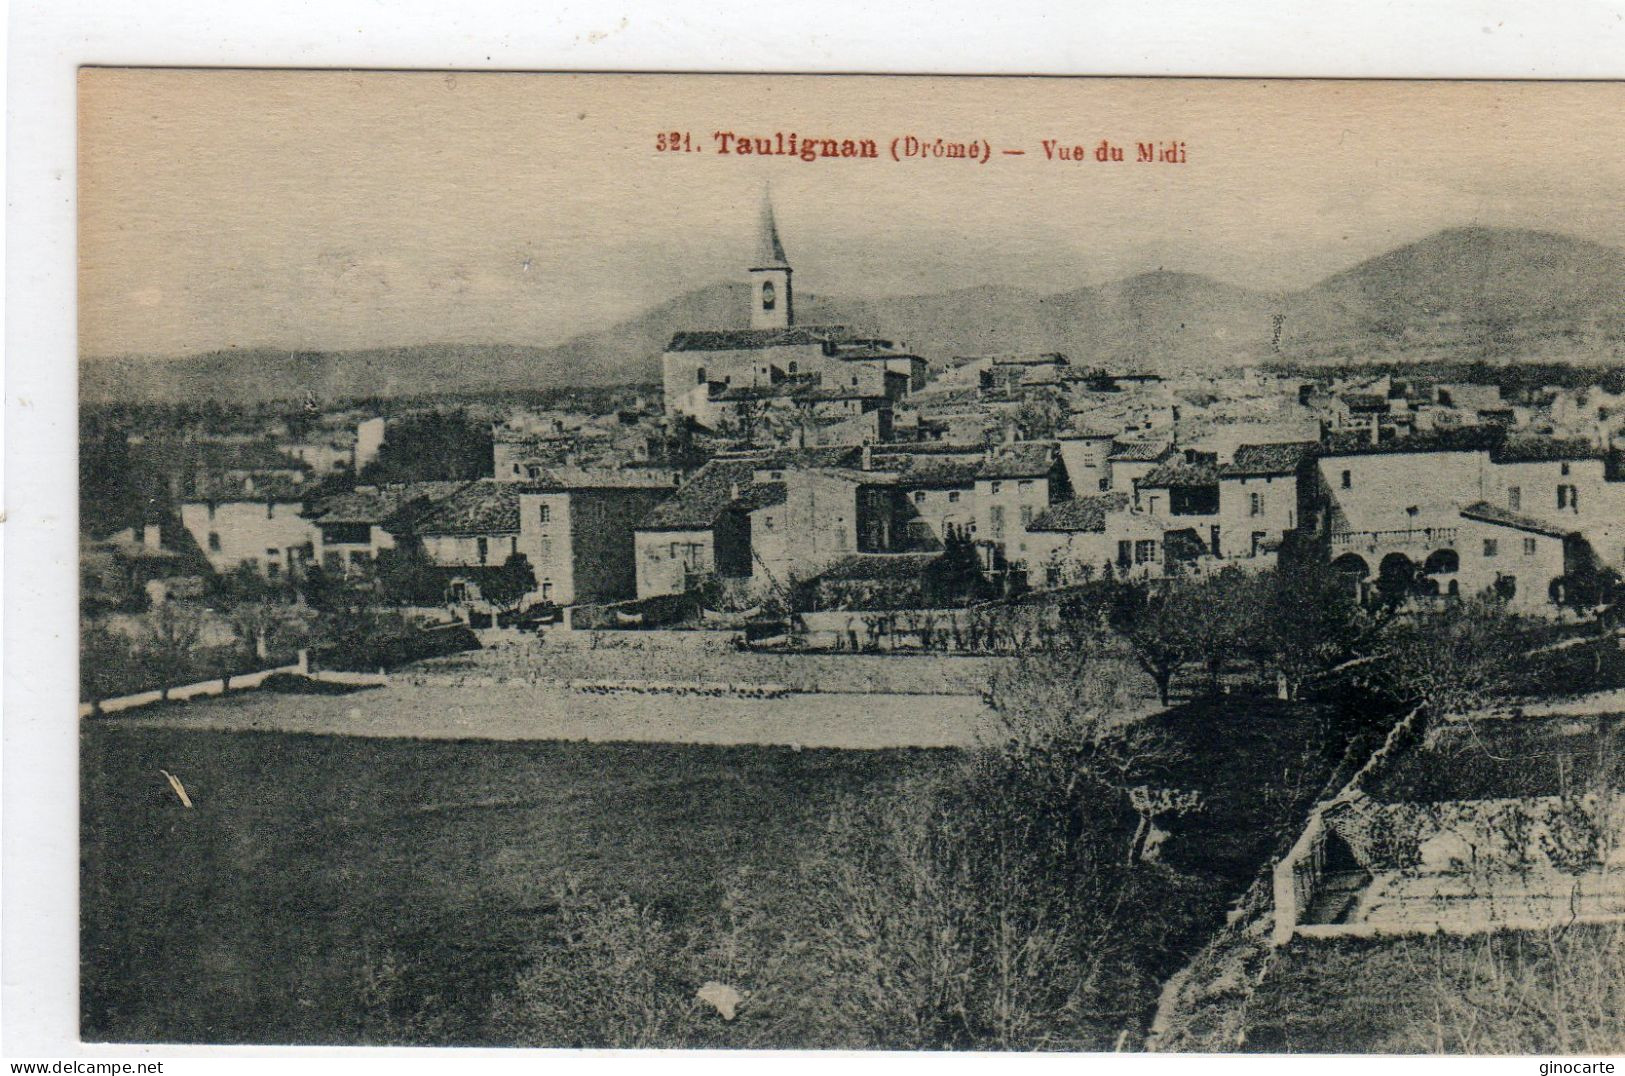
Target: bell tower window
[(769, 295)]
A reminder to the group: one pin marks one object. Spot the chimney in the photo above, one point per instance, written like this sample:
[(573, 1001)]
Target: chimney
[(868, 458), (733, 492)]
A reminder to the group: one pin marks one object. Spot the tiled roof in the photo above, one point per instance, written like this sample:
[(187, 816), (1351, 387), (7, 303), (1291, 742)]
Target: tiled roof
[(755, 339), (819, 456), (1082, 514), (919, 470), (1272, 459), (1468, 439), (1540, 449), (257, 490), (699, 501), (1365, 401), (483, 507), (1138, 451), (380, 504), (1485, 512), (1180, 473), (1022, 459), (1089, 433), (560, 479)]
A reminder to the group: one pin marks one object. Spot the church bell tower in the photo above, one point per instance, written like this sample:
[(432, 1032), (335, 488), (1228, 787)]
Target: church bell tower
[(770, 303)]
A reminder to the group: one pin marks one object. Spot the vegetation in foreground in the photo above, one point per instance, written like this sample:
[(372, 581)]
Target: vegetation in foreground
[(329, 890), (1541, 992)]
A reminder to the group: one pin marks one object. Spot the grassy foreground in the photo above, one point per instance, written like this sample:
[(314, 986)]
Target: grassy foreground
[(1514, 992), (329, 889)]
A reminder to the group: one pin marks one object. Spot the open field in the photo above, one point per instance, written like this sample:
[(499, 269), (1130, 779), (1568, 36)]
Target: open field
[(523, 710), (329, 889), (1514, 992)]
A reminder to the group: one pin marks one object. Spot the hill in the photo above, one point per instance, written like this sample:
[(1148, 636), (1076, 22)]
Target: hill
[(1466, 293)]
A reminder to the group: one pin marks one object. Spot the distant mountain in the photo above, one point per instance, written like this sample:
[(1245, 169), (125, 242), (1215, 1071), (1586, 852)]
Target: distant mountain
[(1466, 293), (1480, 293)]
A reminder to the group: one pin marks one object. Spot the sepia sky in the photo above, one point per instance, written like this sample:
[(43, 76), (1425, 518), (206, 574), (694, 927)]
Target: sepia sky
[(341, 210)]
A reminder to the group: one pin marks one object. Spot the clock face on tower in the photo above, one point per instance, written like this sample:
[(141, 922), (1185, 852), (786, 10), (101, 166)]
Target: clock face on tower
[(768, 295)]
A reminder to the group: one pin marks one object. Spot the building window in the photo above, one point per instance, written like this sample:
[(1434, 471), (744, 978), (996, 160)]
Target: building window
[(953, 496), (1145, 550), (792, 367), (1348, 480), (1491, 547), (1514, 498), (484, 548), (1565, 468), (547, 590), (1026, 516), (211, 511), (1025, 484), (919, 496), (767, 522), (544, 514), (699, 376), (533, 471), (997, 486), (1125, 552), (273, 569), (1255, 504), (769, 297), (995, 521), (1568, 497), (270, 509), (214, 542), (1258, 540)]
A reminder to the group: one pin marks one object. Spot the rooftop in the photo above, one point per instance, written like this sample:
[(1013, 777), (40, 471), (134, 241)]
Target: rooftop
[(1020, 459), (1086, 514), (382, 504), (1178, 472), (1272, 459), (485, 506), (1138, 451), (1540, 449), (756, 339), (711, 490), (1467, 439)]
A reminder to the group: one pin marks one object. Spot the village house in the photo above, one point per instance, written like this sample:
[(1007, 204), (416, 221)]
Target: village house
[(1182, 496), (1015, 485), (937, 484), (353, 528), (703, 529), (1128, 461), (255, 522), (1260, 490), (1086, 452), (475, 529), (1518, 558), (576, 529), (1068, 543)]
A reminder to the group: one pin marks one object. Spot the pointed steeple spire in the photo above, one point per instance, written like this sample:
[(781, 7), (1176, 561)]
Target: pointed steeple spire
[(769, 251)]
